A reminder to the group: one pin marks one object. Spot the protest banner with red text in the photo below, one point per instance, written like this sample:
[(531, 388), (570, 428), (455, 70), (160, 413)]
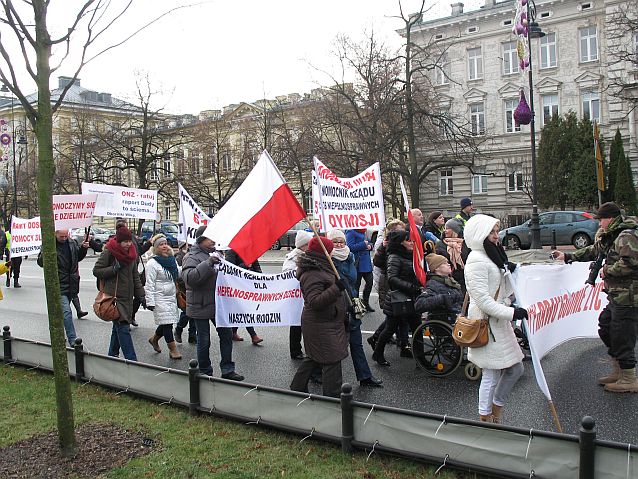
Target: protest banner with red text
[(245, 298), (191, 216), (73, 211), (122, 202), (25, 236), (348, 203)]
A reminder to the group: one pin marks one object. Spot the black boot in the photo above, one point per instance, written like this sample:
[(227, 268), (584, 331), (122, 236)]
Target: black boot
[(16, 284), (369, 308), (8, 281), (178, 335)]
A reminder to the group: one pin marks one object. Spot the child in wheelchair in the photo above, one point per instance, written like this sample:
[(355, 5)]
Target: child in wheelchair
[(442, 298)]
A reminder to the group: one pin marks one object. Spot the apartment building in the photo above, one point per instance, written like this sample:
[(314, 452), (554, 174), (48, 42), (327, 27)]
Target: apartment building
[(479, 77)]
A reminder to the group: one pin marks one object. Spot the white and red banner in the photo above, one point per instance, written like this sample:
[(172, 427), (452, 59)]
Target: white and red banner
[(25, 236), (73, 211), (262, 209), (121, 202), (191, 216), (415, 236), (561, 307), (348, 203), (245, 298)]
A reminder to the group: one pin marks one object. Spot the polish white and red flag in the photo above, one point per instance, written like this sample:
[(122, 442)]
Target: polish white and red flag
[(261, 210), (415, 236)]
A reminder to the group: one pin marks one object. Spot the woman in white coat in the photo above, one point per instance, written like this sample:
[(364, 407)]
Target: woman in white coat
[(161, 274), (501, 359)]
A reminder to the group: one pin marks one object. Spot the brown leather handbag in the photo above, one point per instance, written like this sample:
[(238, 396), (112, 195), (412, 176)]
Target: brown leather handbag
[(471, 333), (105, 305), (180, 293)]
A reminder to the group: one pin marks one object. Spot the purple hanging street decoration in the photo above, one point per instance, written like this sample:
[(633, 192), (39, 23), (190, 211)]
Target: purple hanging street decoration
[(523, 114)]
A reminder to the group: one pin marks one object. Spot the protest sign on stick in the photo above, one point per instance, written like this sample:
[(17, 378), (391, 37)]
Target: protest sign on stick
[(25, 236), (191, 216), (122, 202), (73, 211)]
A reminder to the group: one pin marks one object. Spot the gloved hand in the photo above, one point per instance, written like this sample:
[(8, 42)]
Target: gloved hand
[(340, 284), (214, 259), (520, 313), (417, 290), (150, 308), (116, 266), (511, 266)]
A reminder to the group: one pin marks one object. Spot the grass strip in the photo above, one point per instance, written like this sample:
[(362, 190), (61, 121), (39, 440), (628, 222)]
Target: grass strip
[(186, 446)]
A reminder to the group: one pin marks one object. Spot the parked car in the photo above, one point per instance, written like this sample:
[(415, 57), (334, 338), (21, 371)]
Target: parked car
[(167, 228), (288, 238), (78, 234), (577, 228), (101, 235)]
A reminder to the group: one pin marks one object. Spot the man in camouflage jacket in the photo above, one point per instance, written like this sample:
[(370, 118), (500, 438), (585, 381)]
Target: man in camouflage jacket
[(618, 322)]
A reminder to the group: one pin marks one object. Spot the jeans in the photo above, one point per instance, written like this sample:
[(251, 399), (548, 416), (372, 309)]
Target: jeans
[(496, 384), (618, 328), (183, 321), (121, 338), (203, 347), (69, 329), (361, 368), (391, 326), (165, 331)]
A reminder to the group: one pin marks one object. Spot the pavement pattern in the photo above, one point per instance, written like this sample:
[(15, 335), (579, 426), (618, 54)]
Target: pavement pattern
[(571, 369)]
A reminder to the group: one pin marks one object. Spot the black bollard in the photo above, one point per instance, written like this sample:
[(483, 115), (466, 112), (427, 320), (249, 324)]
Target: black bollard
[(587, 442), (347, 419), (193, 382), (553, 239), (78, 350), (6, 340)]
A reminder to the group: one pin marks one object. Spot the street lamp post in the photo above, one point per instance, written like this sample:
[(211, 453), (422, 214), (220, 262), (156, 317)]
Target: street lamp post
[(533, 31), (22, 141)]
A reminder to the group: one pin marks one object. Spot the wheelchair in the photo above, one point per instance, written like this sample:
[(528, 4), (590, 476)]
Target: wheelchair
[(436, 353)]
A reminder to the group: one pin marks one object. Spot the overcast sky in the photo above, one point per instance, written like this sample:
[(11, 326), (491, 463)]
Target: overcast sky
[(222, 52)]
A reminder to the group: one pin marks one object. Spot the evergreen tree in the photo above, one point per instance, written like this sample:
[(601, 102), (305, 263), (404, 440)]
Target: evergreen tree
[(624, 190), (553, 156), (616, 151), (583, 191)]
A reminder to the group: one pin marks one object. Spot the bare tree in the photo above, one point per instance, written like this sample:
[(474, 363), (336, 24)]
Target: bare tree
[(26, 44), (622, 38)]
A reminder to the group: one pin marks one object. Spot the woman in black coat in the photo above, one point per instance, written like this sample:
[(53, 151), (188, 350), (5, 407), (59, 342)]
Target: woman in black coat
[(401, 277)]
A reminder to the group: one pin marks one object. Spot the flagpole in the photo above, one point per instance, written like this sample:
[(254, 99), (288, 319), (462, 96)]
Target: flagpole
[(559, 428)]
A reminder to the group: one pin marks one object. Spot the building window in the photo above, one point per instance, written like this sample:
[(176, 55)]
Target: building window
[(588, 44), (442, 72), (167, 210), (510, 124), (167, 166), (635, 62), (515, 182), (475, 63), (195, 164), (226, 162), (446, 187), (510, 58), (550, 107), (477, 119), (548, 50), (591, 106), (153, 176), (479, 184)]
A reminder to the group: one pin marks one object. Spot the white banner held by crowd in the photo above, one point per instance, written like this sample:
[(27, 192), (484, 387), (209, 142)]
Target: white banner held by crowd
[(121, 202), (560, 307), (73, 211), (245, 298), (191, 216), (25, 236), (348, 203)]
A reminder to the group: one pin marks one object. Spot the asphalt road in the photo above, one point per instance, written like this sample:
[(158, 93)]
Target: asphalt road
[(571, 370)]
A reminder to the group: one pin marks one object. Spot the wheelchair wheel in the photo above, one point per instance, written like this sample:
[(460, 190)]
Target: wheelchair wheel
[(434, 350), (472, 371)]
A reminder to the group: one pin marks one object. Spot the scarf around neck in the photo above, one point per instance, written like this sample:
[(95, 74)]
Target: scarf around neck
[(496, 253), (169, 264), (126, 257), (454, 246), (341, 254)]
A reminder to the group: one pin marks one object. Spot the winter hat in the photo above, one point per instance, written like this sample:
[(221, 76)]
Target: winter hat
[(434, 215), (398, 236), (434, 261), (608, 210), (336, 234), (314, 245), (159, 241), (123, 234), (199, 234), (455, 225), (302, 238), (465, 202)]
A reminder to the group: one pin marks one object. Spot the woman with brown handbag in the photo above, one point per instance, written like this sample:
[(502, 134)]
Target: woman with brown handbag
[(501, 358), (116, 271)]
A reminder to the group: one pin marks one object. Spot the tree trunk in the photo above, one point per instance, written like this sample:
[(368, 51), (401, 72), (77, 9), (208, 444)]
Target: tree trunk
[(46, 169), (413, 182)]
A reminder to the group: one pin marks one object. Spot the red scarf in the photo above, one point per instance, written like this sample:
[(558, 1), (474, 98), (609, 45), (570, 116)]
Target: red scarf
[(125, 257)]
